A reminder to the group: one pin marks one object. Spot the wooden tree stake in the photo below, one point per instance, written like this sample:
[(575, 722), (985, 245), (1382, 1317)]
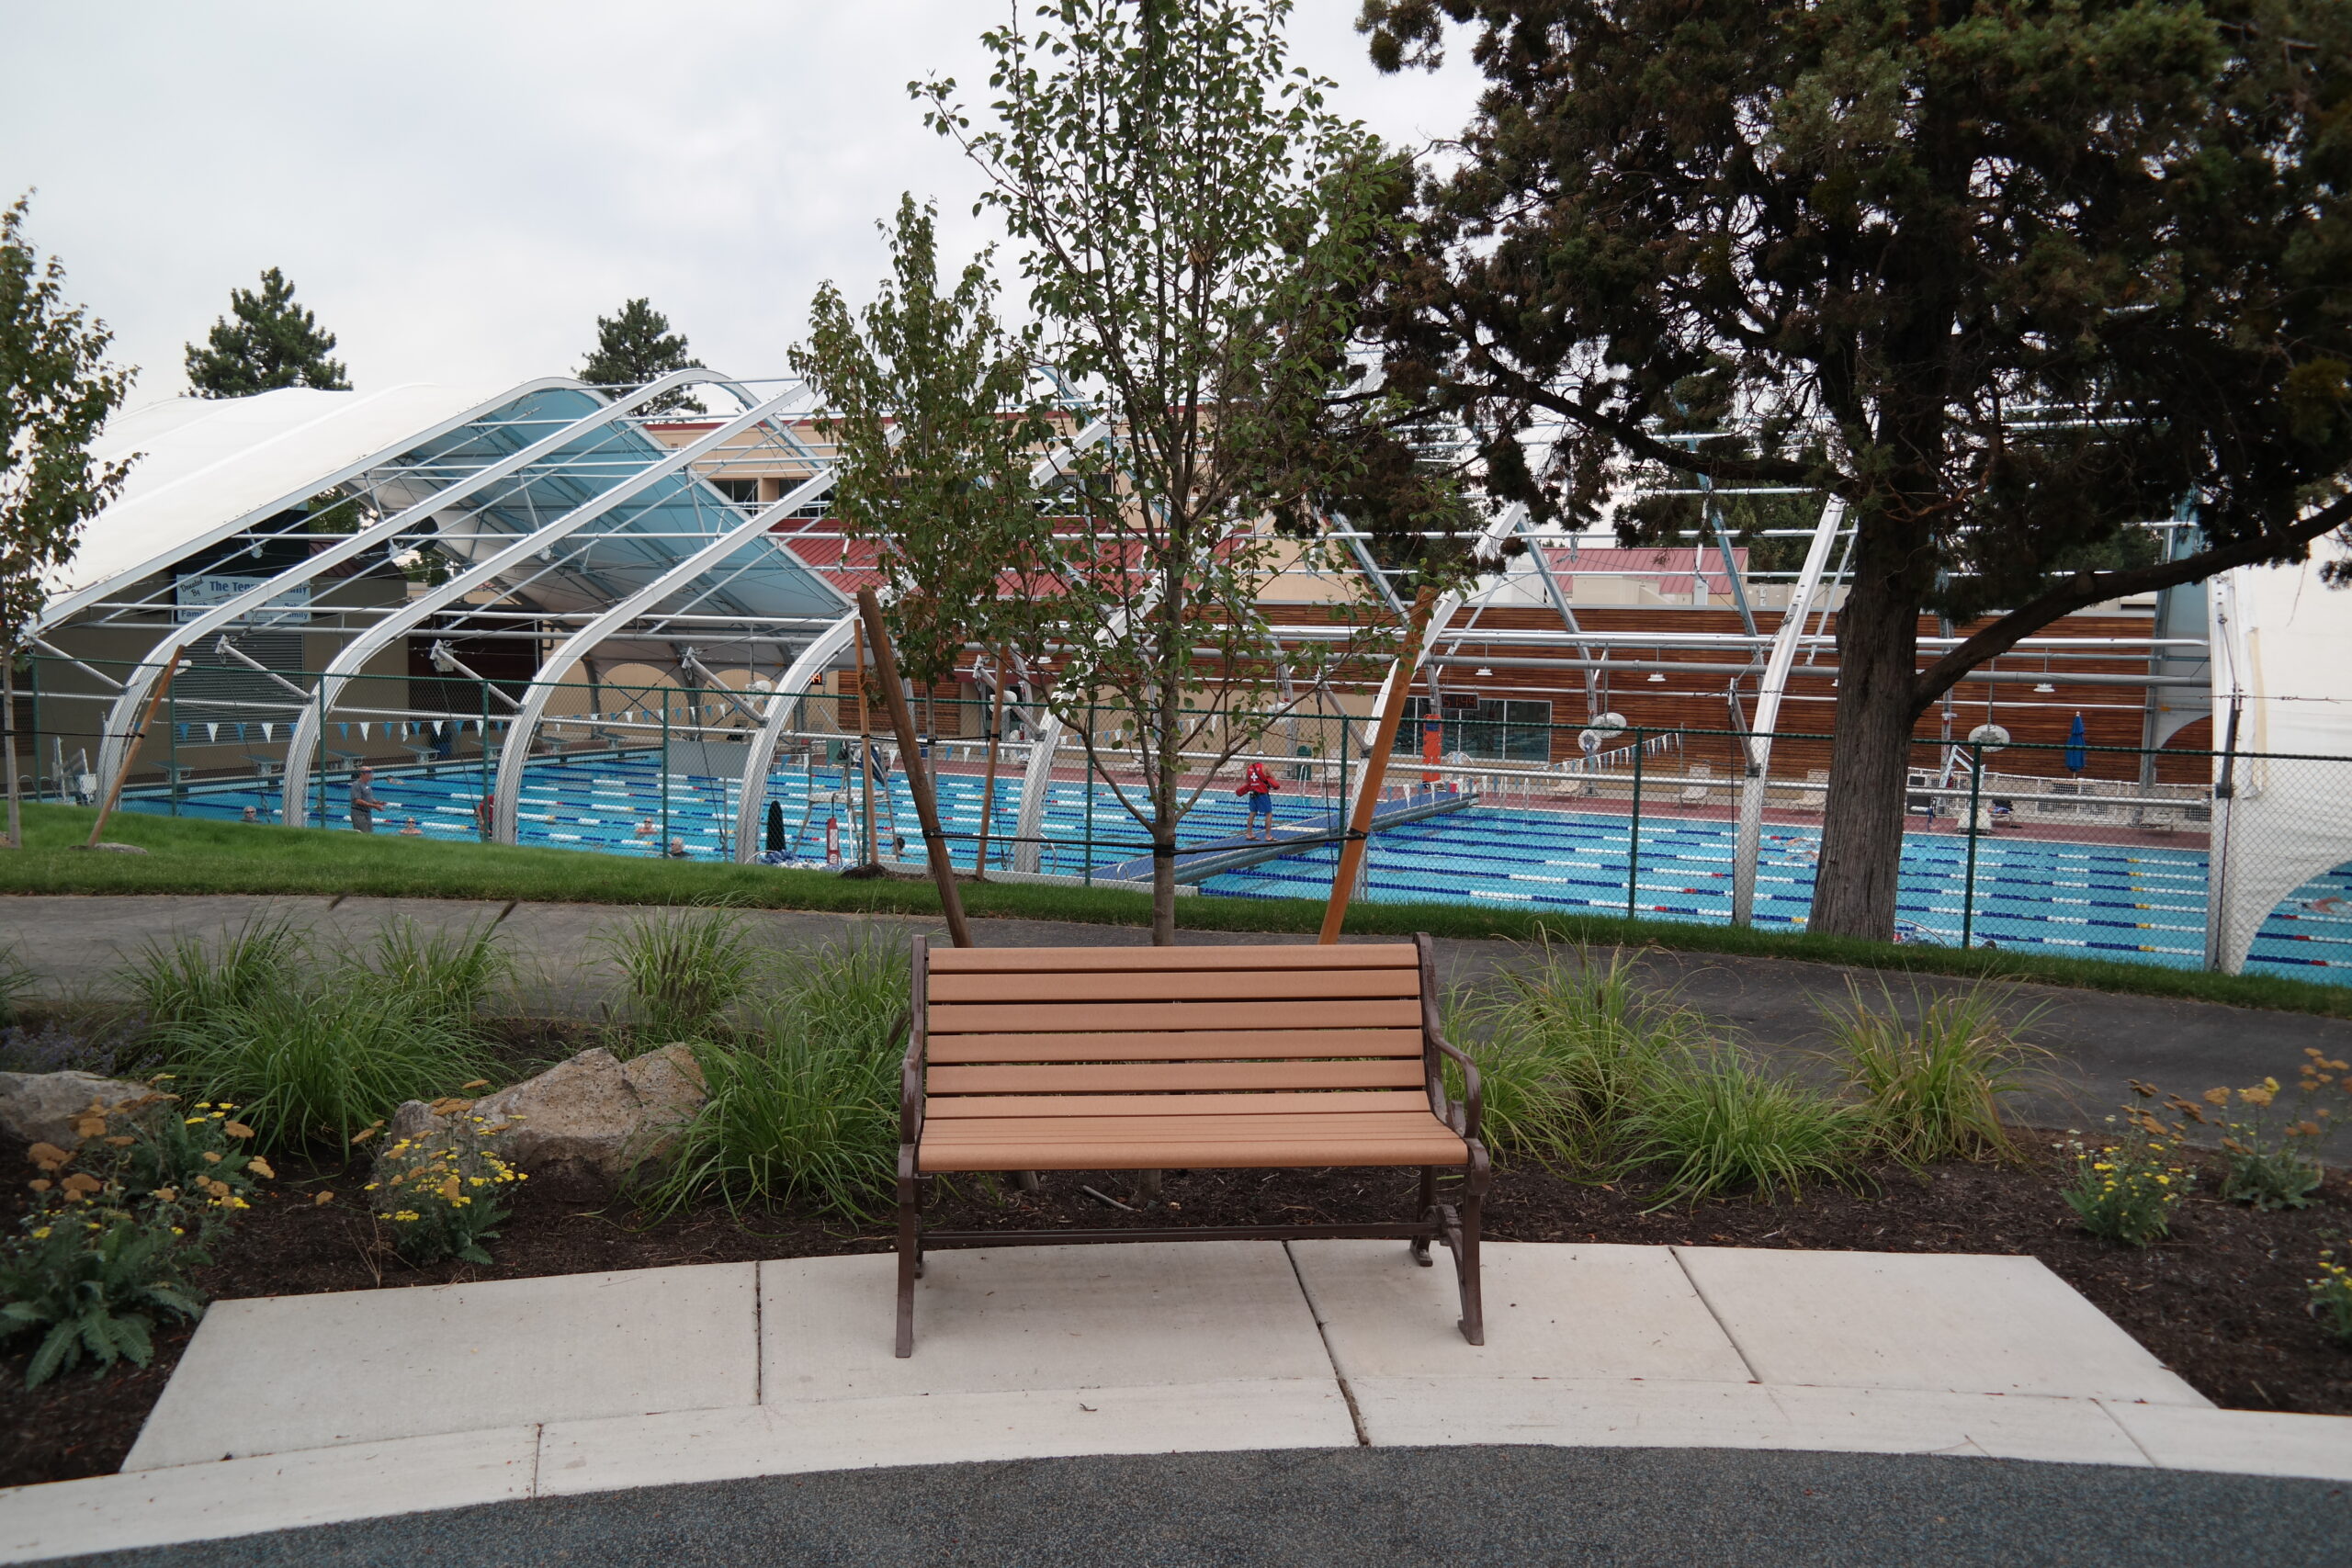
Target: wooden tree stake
[(886, 667), (1375, 768)]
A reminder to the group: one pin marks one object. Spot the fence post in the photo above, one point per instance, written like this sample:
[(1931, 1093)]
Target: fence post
[(1968, 888), (665, 774), (1633, 831), (1086, 766), (172, 745), (483, 823)]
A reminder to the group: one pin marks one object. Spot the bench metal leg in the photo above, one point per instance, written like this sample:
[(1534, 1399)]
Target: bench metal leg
[(1425, 1211), (1464, 1240), (909, 1252)]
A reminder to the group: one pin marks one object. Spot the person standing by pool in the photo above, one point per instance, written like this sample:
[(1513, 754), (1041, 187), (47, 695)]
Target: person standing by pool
[(1258, 788), (364, 804)]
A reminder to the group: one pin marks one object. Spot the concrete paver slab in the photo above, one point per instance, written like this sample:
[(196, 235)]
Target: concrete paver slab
[(1622, 1413), (2242, 1442), (1553, 1310), (1936, 1321), (853, 1434), (287, 1372), (243, 1496), (1118, 1315)]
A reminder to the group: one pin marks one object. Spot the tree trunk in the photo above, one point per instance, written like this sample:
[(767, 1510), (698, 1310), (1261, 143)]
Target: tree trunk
[(1167, 767), (1862, 820)]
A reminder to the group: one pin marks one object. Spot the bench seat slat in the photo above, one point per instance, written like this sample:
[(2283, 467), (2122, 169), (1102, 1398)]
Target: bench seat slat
[(1272, 985), (1172, 1078), (1126, 1142), (1326, 1102), (1045, 1016), (1195, 1046), (1024, 959)]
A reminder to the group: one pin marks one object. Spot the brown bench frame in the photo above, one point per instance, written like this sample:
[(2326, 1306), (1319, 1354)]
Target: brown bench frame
[(1455, 1222)]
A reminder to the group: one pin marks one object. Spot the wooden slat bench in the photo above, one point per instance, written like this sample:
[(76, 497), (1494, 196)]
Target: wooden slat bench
[(1155, 1058)]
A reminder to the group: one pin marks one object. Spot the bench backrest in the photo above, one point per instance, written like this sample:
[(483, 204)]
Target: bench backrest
[(1098, 1021)]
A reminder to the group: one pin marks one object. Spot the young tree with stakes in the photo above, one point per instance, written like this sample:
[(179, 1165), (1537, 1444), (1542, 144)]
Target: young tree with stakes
[(1195, 223), (265, 342), (635, 347), (2006, 278), (56, 392), (930, 408)]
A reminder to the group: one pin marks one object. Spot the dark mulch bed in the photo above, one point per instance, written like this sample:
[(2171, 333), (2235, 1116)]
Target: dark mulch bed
[(2221, 1301)]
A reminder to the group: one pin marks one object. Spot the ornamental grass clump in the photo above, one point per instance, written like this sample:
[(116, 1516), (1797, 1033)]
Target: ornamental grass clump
[(804, 1098), (190, 979), (1931, 1091), (443, 1192), (1568, 1049), (315, 1063), (1719, 1122), (445, 975), (2127, 1189), (685, 970)]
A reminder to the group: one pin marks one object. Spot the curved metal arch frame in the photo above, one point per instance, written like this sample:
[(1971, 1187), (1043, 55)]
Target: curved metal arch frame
[(791, 693), (114, 753), (339, 671), (523, 728)]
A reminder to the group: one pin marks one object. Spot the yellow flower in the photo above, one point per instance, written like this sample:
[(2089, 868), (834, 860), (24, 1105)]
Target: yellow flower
[(41, 1235), (194, 1121)]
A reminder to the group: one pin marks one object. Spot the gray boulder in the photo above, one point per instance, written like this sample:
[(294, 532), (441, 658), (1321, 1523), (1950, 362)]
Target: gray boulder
[(594, 1111), (42, 1108)]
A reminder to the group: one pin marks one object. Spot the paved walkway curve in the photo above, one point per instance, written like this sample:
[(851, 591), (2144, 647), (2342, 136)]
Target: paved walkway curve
[(1478, 1508), (2099, 1040)]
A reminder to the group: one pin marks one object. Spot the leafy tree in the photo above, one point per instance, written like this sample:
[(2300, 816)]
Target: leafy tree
[(1195, 223), (265, 342), (56, 391), (636, 346), (937, 433), (2007, 278)]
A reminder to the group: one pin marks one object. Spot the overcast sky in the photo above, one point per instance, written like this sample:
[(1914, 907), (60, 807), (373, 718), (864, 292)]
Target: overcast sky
[(458, 190)]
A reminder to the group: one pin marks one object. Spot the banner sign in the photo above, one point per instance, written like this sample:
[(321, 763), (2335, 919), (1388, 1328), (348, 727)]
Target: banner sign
[(198, 595)]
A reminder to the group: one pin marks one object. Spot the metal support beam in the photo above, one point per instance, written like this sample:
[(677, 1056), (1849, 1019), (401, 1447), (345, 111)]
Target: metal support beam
[(1749, 839), (356, 654)]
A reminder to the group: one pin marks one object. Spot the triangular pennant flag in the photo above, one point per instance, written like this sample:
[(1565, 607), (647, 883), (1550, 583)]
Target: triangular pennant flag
[(363, 731), (212, 732), (343, 729), (241, 732), (268, 730)]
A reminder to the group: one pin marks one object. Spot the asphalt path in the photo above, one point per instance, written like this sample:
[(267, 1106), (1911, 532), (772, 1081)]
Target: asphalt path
[(1513, 1507), (2098, 1042)]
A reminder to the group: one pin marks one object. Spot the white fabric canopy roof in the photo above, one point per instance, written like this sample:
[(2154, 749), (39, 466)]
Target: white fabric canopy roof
[(2282, 654)]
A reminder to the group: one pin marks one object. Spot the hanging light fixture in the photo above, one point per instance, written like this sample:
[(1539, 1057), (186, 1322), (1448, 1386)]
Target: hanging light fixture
[(2044, 686), (1657, 677), (1482, 670)]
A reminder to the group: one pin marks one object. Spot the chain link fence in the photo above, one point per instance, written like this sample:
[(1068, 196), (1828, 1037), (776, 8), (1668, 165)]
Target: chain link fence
[(2097, 852)]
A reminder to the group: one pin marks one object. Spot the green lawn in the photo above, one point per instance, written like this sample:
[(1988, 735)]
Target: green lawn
[(225, 857)]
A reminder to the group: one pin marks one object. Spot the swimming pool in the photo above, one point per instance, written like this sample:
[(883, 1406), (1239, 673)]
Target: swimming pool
[(2145, 904)]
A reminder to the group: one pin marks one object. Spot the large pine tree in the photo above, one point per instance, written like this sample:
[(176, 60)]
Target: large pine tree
[(265, 342), (634, 346)]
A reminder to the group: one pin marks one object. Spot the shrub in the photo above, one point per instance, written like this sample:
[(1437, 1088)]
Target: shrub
[(804, 1100), (320, 1062), (2125, 1190), (1525, 1107), (2273, 1146), (2332, 1297), (89, 1272), (683, 971), (1720, 1123), (1932, 1091), (147, 1144), (442, 1192), (190, 979)]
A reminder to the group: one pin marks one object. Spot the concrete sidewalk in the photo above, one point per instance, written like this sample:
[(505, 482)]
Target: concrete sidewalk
[(2099, 1040), (299, 1411)]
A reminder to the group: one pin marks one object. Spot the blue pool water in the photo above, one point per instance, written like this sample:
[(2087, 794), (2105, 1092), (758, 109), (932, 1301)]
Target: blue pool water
[(2139, 903)]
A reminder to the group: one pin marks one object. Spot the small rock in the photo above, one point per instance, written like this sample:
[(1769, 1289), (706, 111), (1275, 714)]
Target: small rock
[(42, 1108), (594, 1111)]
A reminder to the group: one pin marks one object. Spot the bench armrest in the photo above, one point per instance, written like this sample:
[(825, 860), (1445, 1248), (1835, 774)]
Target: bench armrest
[(1469, 1112), (910, 1080)]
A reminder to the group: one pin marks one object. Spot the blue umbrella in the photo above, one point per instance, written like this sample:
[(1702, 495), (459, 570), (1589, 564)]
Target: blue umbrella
[(2075, 758)]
